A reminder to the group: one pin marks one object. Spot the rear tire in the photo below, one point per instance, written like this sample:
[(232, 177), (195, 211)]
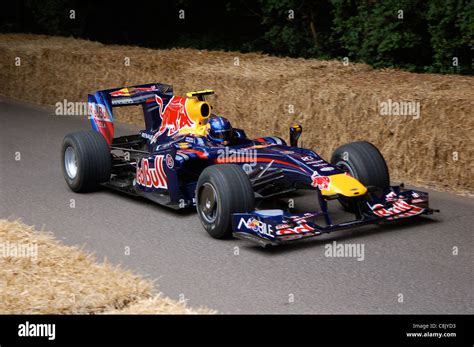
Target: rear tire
[(221, 191), (363, 161), (86, 160)]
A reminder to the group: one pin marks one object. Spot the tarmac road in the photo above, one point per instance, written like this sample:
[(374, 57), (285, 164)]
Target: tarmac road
[(414, 259)]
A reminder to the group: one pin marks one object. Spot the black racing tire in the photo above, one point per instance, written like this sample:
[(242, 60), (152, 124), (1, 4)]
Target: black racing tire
[(85, 160), (221, 191), (363, 161)]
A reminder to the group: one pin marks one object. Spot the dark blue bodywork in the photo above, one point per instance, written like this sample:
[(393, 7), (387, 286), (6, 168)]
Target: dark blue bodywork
[(168, 170)]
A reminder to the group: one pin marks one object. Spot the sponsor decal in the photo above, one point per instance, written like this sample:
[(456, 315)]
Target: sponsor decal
[(415, 201), (261, 146), (303, 217), (300, 229), (159, 102), (151, 177), (283, 226), (396, 210), (315, 162), (417, 198), (183, 145), (169, 161), (391, 196), (146, 136), (309, 160), (328, 168), (257, 226), (269, 141), (394, 197), (174, 117), (201, 154), (120, 92), (131, 91), (98, 113), (321, 182)]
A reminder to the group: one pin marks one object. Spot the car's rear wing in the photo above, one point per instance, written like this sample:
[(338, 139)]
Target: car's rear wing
[(151, 96)]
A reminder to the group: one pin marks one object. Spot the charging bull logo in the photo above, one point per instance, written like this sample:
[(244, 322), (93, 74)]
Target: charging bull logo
[(159, 102), (174, 117), (151, 177), (253, 224), (322, 182), (131, 91)]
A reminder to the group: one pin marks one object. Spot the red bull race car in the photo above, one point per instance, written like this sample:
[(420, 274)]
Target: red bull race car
[(187, 156)]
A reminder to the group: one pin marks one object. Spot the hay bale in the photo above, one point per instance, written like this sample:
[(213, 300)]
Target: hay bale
[(59, 279), (334, 103)]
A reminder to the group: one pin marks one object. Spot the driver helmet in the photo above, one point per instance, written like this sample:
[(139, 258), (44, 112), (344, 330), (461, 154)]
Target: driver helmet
[(220, 130)]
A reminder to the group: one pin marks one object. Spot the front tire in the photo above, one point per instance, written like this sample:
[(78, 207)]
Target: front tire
[(363, 161), (86, 160), (221, 191)]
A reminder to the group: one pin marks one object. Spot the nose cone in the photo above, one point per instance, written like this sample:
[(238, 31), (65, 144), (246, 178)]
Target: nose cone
[(344, 185)]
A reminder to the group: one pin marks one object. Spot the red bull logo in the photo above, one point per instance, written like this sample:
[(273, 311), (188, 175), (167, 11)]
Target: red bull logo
[(151, 177), (397, 210), (101, 120), (159, 101), (98, 112), (300, 229), (322, 182), (174, 117), (391, 197), (253, 224), (131, 91)]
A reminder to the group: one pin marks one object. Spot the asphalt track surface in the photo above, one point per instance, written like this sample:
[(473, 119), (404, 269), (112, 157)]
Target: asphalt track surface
[(413, 258)]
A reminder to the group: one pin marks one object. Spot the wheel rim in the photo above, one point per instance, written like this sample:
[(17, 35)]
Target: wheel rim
[(344, 166), (208, 203), (70, 162)]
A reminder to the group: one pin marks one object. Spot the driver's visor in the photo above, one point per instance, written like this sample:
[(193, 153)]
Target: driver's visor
[(224, 135)]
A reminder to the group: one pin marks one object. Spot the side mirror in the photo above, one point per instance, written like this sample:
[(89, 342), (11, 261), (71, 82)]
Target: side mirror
[(295, 133)]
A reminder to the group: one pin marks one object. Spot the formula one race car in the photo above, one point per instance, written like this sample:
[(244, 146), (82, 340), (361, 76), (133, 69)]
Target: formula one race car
[(188, 156)]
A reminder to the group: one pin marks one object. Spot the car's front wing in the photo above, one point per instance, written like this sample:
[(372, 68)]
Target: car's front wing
[(273, 227)]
